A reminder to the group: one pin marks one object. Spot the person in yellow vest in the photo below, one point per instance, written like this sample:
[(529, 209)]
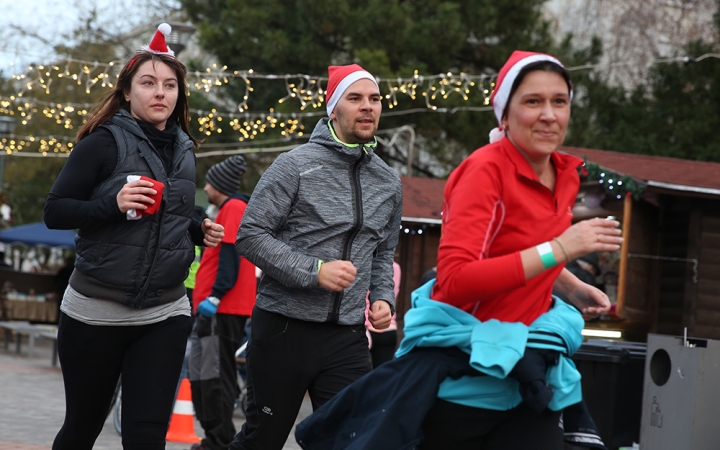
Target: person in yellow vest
[(200, 215), (194, 266)]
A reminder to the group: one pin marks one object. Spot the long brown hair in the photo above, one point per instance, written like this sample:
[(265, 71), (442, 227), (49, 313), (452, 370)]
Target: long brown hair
[(115, 99)]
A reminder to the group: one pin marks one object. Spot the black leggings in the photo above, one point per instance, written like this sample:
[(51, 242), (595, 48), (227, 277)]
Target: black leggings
[(93, 357), (288, 357), (383, 346), (452, 426)]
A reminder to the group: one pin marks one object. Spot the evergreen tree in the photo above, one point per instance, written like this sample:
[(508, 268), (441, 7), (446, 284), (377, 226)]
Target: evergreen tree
[(676, 113), (389, 38)]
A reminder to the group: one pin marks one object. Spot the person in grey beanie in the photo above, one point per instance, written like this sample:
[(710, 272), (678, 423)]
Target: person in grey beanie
[(225, 176), (223, 299)]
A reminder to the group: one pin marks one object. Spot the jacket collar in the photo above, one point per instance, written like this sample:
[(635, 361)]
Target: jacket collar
[(324, 135), (236, 195), (125, 120)]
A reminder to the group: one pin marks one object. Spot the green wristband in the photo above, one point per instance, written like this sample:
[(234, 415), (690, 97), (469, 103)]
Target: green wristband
[(320, 263), (546, 255)]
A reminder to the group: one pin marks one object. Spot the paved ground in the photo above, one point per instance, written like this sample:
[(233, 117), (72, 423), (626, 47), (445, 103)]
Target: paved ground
[(32, 404)]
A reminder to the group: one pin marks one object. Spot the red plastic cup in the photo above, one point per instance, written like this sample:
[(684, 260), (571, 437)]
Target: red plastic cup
[(159, 187), (151, 208)]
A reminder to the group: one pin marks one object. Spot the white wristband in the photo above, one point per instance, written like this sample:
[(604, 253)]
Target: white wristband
[(546, 255)]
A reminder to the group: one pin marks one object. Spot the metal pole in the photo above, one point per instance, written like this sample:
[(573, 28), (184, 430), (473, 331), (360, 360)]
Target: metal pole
[(410, 149), (7, 126), (2, 170)]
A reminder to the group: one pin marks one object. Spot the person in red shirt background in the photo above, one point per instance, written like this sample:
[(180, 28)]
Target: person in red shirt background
[(223, 299), (506, 235)]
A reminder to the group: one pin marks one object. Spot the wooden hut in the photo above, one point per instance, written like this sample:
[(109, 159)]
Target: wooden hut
[(669, 271)]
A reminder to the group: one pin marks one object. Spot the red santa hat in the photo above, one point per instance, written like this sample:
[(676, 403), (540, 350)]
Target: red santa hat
[(159, 41), (505, 79), (340, 78)]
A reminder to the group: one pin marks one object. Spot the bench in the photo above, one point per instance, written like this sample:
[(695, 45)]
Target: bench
[(33, 332)]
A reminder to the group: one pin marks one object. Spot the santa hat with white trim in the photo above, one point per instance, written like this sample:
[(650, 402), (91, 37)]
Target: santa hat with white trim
[(505, 79), (340, 78), (158, 44)]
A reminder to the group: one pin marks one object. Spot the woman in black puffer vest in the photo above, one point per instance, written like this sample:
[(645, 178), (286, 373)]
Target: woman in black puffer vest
[(129, 189)]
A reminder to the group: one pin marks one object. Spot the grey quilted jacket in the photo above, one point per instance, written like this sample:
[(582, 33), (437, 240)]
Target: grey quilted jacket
[(324, 200)]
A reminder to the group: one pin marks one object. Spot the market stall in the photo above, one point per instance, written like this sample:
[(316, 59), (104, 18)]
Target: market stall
[(31, 296)]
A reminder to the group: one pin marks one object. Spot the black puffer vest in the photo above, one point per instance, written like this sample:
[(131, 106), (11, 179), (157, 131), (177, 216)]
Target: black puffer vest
[(140, 263)]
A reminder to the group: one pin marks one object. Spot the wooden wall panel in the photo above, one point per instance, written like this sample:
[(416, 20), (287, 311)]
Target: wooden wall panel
[(638, 299), (706, 304), (708, 317), (710, 256), (671, 281), (707, 330), (709, 287), (711, 221), (708, 271), (711, 236)]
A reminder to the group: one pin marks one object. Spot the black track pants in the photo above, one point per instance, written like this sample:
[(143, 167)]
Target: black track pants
[(288, 357)]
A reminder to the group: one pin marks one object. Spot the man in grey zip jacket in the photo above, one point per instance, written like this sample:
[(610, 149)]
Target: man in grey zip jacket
[(322, 224)]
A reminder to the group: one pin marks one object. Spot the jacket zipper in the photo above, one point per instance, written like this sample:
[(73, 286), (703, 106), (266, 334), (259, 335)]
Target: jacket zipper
[(176, 164), (161, 211), (552, 194), (334, 315)]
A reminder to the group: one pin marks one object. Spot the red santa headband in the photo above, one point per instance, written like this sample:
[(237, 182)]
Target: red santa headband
[(340, 78), (505, 79), (159, 41)]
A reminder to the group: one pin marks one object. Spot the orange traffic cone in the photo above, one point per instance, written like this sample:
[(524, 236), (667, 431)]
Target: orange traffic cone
[(182, 422)]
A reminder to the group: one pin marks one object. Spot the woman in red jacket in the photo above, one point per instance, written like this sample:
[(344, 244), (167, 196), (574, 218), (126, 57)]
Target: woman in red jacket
[(507, 234)]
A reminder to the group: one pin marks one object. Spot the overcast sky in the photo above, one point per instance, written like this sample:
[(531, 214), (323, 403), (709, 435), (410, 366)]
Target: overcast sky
[(41, 15), (52, 19)]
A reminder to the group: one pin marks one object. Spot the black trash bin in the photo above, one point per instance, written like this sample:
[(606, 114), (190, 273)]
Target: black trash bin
[(612, 384)]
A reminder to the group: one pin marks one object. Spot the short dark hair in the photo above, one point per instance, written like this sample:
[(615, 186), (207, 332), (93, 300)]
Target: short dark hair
[(543, 66)]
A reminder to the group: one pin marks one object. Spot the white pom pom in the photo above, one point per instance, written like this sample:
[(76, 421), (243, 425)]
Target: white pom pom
[(496, 134), (165, 29)]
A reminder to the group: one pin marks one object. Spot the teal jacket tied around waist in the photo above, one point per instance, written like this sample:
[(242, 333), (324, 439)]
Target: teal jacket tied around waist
[(494, 348)]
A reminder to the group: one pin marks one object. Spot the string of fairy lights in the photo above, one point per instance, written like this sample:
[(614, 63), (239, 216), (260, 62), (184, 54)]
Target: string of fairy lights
[(307, 90), (615, 185)]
